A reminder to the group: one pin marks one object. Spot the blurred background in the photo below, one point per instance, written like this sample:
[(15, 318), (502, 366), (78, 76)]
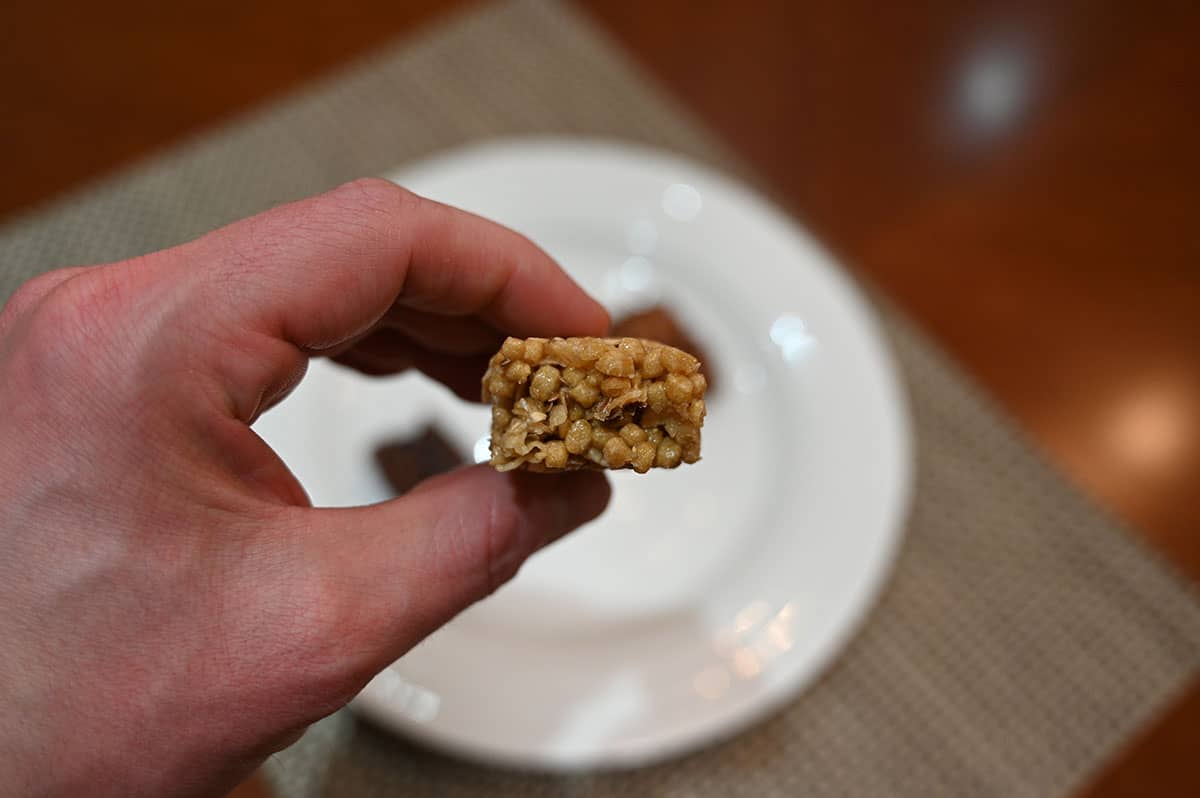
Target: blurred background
[(1022, 178)]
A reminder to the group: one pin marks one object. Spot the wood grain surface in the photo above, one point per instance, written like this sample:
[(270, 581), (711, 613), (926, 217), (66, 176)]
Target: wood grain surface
[(1021, 177)]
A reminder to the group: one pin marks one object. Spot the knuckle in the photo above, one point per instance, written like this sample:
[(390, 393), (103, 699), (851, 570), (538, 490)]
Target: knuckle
[(78, 308), (365, 210), (65, 349), (375, 195), (33, 291), (73, 338)]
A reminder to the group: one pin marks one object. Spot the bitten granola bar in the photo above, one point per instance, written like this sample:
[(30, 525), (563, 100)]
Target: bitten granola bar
[(566, 403)]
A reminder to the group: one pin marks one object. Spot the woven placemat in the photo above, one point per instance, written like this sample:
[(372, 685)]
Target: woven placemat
[(1023, 636)]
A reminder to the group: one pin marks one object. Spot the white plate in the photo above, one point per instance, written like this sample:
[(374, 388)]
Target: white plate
[(705, 597)]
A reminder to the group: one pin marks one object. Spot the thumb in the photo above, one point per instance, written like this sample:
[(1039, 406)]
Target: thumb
[(400, 569)]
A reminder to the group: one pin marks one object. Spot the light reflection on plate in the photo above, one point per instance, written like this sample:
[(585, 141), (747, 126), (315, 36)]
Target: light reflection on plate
[(705, 597)]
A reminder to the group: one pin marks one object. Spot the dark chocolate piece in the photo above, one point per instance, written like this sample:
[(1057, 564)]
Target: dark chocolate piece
[(408, 461)]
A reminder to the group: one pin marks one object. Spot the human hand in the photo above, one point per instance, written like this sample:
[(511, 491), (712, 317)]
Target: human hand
[(172, 610)]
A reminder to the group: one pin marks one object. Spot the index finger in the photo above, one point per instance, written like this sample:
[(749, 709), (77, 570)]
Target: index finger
[(323, 270)]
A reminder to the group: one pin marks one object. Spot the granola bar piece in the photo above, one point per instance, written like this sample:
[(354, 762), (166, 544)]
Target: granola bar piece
[(658, 323), (568, 403)]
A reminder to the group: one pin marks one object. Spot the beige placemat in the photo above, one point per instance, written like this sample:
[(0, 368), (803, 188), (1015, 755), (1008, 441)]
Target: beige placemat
[(1024, 634)]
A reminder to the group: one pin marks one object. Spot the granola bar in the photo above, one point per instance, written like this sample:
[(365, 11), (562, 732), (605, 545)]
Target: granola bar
[(658, 323), (568, 403)]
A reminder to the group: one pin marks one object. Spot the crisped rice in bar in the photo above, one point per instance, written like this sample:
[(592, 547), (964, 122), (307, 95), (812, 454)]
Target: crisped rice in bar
[(568, 403)]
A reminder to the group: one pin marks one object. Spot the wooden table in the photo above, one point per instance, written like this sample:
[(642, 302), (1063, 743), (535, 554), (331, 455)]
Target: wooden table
[(1021, 177)]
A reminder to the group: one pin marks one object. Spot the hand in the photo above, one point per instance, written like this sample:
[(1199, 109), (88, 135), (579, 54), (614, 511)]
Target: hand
[(172, 609)]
